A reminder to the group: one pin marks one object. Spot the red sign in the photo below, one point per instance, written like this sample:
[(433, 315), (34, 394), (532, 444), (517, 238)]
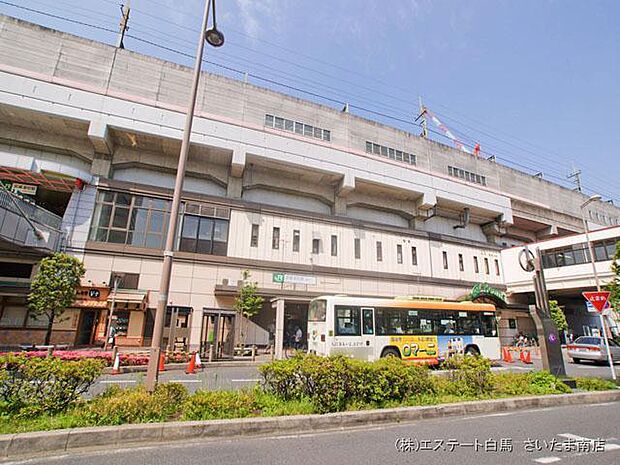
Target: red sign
[(597, 299)]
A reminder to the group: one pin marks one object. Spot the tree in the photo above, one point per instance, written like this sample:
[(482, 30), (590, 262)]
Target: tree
[(247, 303), (614, 285), (53, 288), (557, 315)]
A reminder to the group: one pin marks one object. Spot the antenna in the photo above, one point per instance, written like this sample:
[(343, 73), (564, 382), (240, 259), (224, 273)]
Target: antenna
[(422, 115), (575, 176), (125, 9)]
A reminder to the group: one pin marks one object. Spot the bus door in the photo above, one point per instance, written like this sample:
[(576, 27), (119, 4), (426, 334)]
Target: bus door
[(348, 338), (368, 332)]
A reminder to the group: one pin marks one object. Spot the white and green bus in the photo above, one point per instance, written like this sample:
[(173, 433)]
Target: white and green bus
[(423, 331)]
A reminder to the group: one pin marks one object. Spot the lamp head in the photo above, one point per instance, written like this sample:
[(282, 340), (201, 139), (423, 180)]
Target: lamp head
[(215, 38)]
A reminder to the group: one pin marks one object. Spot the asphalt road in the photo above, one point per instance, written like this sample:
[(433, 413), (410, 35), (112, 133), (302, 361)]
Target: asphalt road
[(583, 434)]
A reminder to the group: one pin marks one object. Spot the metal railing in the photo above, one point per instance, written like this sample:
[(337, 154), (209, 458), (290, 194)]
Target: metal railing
[(33, 212)]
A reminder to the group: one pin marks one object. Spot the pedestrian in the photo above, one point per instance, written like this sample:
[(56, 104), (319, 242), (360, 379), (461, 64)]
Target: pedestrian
[(298, 335)]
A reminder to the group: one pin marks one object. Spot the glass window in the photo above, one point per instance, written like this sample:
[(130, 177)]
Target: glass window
[(205, 236), (486, 266), (289, 125), (379, 252), (299, 128), (358, 247), (369, 147), (399, 254), (317, 311), (347, 321), (254, 236), (414, 256), (220, 237), (318, 133), (476, 268), (269, 120), (391, 153), (316, 246), (275, 238), (279, 123), (496, 267), (367, 320), (384, 151), (489, 325), (189, 233), (399, 155), (308, 130), (611, 248), (445, 260), (376, 149), (296, 240), (461, 264), (327, 136), (334, 245), (120, 218)]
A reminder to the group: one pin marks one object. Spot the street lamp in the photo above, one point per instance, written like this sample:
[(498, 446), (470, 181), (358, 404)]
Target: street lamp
[(596, 198), (215, 38)]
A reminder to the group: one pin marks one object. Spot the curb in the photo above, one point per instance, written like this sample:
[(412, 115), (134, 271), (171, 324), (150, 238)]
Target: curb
[(23, 444), (183, 366)]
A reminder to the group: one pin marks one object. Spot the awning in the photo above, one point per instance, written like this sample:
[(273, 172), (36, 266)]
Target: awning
[(96, 304), (125, 300)]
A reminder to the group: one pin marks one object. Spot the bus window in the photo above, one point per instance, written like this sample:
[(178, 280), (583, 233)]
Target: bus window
[(367, 321), (347, 321), (489, 325), (469, 324), (317, 310)]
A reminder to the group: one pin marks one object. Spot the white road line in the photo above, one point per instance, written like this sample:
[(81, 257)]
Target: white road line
[(185, 381), (252, 380), (547, 459), (113, 381)]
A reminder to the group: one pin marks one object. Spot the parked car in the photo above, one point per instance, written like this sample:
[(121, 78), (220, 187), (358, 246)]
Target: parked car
[(592, 348)]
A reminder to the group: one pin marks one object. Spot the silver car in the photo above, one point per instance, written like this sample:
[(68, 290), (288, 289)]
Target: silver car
[(592, 348)]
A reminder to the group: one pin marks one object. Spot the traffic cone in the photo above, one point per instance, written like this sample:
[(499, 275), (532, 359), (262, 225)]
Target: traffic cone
[(521, 355), (162, 362), (198, 361), (116, 367), (507, 355), (528, 357), (191, 366)]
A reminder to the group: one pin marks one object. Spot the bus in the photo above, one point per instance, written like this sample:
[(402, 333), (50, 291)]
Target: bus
[(423, 331)]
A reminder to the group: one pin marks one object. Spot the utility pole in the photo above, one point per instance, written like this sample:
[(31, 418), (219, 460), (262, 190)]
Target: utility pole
[(575, 176), (422, 116), (125, 9)]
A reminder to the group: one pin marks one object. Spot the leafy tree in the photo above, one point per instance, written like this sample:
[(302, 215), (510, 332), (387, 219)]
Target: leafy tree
[(53, 288), (614, 285), (247, 303), (557, 315)]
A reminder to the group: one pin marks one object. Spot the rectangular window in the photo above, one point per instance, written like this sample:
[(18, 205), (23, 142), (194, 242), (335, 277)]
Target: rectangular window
[(399, 254), (467, 175), (497, 267), (379, 251), (275, 239), (289, 125), (296, 240), (368, 147), (316, 246), (414, 256), (279, 123), (297, 127), (327, 135), (445, 260), (347, 321), (390, 153), (367, 320), (125, 280), (476, 267), (358, 248), (204, 235), (486, 266), (254, 237), (334, 245), (269, 120), (461, 263)]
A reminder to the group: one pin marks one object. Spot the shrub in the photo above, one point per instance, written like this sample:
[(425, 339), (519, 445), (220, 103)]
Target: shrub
[(209, 405), (135, 405), (594, 384), (543, 382), (32, 386), (468, 376)]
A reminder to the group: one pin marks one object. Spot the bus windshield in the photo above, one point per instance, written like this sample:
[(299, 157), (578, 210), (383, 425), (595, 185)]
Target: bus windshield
[(317, 310)]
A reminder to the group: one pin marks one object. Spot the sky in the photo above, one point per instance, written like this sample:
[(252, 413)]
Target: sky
[(535, 82)]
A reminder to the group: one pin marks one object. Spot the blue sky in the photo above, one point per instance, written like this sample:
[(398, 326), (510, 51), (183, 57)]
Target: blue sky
[(536, 82)]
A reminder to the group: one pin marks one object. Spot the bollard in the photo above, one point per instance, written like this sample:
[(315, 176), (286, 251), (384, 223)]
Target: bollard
[(114, 352), (211, 352), (50, 351), (253, 353)]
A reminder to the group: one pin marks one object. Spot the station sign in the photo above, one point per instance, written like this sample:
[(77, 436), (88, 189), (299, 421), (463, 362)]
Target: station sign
[(282, 278)]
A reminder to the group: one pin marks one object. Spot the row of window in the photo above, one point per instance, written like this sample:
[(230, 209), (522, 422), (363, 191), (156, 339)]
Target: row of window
[(391, 153), (302, 129), (602, 218), (487, 268), (467, 175), (355, 321), (579, 254)]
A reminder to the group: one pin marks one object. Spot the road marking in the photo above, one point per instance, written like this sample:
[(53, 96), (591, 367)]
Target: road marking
[(547, 459), (607, 446), (185, 381), (112, 381), (252, 380)]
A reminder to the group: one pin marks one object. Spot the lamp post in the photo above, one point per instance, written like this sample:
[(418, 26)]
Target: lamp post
[(216, 39), (595, 198)]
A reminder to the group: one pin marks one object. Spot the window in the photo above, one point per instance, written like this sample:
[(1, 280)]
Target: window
[(496, 267), (445, 260), (128, 219), (390, 153), (368, 324), (303, 129), (204, 235), (467, 175), (125, 280), (358, 248), (275, 239), (316, 246), (486, 266), (414, 256), (334, 245), (254, 236), (476, 267), (379, 251), (461, 264), (399, 254), (347, 321), (578, 254), (296, 240), (15, 270)]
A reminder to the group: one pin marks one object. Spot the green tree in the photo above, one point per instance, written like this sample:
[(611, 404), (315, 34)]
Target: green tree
[(247, 302), (53, 288), (614, 285), (557, 315)]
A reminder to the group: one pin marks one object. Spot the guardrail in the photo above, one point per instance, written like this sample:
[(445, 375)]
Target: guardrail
[(32, 211)]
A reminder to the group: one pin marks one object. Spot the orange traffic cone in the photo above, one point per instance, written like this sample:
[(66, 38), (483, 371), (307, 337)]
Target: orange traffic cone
[(191, 366), (521, 356), (116, 367), (507, 356), (162, 362), (527, 357)]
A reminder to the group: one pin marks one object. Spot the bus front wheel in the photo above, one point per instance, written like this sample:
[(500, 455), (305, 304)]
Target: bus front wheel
[(472, 351), (390, 353)]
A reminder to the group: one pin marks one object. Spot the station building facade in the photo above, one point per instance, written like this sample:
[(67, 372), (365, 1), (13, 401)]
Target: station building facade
[(310, 199)]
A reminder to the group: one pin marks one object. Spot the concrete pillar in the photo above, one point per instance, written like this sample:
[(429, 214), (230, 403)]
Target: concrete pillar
[(234, 189), (279, 339)]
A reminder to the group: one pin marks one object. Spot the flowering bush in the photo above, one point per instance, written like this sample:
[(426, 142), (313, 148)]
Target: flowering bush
[(126, 359)]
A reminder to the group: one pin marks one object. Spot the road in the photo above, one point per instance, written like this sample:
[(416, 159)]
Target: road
[(529, 437)]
